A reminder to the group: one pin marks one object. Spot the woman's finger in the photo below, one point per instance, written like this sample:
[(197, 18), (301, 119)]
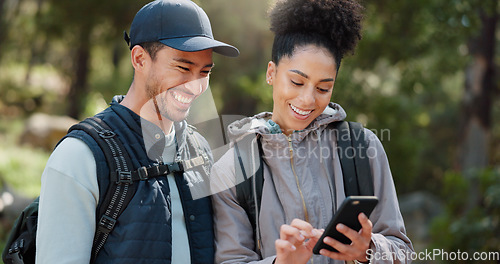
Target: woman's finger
[(291, 234), (366, 226), (284, 246), (303, 226)]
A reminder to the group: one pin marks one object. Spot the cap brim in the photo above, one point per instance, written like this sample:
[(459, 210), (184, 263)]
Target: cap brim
[(198, 43)]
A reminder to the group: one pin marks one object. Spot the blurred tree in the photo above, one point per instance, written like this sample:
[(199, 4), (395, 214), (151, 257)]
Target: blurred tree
[(37, 48), (2, 26), (476, 229), (408, 76), (480, 84), (238, 82), (75, 22)]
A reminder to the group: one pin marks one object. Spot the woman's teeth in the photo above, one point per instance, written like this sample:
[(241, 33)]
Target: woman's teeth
[(300, 112)]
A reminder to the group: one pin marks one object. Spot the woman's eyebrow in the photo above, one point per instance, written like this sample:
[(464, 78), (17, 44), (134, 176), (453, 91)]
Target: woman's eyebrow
[(327, 80), (307, 77), (300, 73)]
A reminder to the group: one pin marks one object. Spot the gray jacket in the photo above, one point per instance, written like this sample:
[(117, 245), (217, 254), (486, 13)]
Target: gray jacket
[(298, 181)]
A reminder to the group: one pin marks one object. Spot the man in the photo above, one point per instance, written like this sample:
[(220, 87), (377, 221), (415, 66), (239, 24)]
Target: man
[(171, 46)]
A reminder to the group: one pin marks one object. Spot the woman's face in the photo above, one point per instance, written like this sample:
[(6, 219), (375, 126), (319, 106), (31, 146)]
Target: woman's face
[(302, 86)]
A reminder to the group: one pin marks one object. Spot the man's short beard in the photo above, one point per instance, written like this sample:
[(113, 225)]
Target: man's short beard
[(164, 112), (150, 91), (160, 102)]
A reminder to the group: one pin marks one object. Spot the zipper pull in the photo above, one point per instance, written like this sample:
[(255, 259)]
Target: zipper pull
[(290, 145)]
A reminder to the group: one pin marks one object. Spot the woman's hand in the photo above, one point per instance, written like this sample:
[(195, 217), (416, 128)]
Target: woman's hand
[(360, 242), (296, 242)]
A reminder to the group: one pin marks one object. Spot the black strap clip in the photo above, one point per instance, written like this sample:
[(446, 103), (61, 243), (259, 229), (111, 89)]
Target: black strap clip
[(143, 173), (175, 167), (106, 224), (123, 177), (15, 255), (107, 134), (17, 247)]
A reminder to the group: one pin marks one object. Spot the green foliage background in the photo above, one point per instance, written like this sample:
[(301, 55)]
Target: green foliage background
[(406, 76)]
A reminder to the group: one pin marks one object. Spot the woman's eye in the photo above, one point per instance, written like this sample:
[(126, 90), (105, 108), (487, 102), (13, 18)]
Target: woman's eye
[(323, 90), (296, 83)]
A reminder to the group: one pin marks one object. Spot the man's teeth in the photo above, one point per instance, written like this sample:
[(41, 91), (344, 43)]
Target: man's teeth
[(182, 99), (300, 112)]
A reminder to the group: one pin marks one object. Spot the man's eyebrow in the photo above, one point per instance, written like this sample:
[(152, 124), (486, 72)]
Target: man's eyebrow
[(307, 77), (182, 60), (211, 65)]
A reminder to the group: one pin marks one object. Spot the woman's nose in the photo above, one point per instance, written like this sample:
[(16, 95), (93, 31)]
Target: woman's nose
[(307, 96)]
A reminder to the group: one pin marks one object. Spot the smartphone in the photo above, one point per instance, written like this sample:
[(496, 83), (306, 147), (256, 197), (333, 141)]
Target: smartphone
[(347, 215)]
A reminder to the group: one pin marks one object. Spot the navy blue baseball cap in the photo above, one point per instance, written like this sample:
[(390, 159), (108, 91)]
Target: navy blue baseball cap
[(179, 24)]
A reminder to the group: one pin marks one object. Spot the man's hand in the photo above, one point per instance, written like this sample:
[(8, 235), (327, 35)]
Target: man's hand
[(360, 242), (296, 242)]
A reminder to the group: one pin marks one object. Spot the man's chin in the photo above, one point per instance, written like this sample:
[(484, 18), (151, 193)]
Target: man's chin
[(176, 117)]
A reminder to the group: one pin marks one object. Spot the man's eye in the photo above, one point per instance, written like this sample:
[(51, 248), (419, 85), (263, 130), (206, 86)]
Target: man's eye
[(183, 68)]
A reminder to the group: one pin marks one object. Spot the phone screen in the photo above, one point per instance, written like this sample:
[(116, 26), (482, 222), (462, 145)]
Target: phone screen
[(347, 215)]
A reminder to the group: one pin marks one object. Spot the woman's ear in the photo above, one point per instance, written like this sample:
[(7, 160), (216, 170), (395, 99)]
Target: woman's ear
[(271, 72)]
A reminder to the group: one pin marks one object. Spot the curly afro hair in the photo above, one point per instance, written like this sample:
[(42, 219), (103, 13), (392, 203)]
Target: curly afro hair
[(332, 24)]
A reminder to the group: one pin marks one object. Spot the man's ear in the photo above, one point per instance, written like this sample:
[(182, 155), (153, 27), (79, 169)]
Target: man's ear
[(271, 72), (139, 58)]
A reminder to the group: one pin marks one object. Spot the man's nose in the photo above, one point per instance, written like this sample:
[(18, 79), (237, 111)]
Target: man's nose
[(197, 86)]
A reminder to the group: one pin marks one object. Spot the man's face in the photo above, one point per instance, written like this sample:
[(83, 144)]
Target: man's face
[(176, 78)]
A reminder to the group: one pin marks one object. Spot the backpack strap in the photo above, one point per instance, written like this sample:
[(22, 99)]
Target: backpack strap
[(250, 187), (352, 151), (201, 158), (361, 160), (120, 190)]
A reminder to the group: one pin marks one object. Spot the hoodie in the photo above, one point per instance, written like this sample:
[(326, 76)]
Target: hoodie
[(298, 183)]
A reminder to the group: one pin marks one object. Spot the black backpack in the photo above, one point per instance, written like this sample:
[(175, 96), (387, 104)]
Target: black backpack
[(352, 150), (20, 247)]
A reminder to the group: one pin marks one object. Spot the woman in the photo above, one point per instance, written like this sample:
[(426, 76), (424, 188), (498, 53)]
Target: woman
[(303, 184)]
